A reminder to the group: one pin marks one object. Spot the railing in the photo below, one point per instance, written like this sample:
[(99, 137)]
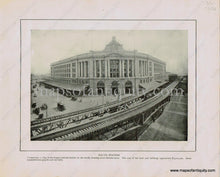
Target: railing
[(108, 120), (107, 105)]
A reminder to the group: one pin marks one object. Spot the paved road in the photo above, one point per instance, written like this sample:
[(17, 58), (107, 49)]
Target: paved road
[(171, 125)]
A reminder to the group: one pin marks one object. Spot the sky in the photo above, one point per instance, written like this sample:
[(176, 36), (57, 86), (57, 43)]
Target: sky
[(47, 46)]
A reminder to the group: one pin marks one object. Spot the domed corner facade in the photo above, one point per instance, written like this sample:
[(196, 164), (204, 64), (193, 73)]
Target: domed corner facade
[(111, 70)]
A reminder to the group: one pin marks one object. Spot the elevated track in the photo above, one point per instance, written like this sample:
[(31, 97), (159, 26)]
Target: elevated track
[(113, 123)]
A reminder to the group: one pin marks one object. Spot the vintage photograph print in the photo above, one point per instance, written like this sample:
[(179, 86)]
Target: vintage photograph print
[(119, 85)]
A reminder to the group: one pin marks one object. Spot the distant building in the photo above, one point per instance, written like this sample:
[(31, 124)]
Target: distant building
[(110, 69)]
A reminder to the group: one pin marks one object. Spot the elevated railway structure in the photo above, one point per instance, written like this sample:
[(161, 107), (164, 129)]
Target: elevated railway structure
[(92, 109), (106, 122)]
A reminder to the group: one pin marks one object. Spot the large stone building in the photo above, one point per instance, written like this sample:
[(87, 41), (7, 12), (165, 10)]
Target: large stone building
[(112, 69)]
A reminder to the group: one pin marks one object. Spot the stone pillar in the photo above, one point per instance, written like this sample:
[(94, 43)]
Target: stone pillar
[(106, 69), (76, 64), (140, 67), (128, 68), (94, 64), (148, 64), (86, 63), (71, 71), (84, 69), (122, 68), (133, 65), (153, 70), (87, 68), (100, 68), (136, 67), (81, 69), (145, 68)]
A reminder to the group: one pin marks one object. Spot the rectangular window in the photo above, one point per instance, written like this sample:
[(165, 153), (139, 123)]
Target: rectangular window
[(150, 68), (83, 70), (114, 68), (146, 68), (159, 71), (125, 68), (87, 69), (97, 69), (80, 69), (103, 68), (94, 70), (130, 68), (140, 68), (73, 70), (69, 70)]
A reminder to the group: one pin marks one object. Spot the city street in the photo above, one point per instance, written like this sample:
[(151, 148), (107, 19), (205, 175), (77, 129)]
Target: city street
[(171, 125)]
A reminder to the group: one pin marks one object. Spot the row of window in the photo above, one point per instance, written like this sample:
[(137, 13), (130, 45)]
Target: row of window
[(158, 68), (145, 68), (114, 68), (73, 70), (128, 68), (61, 71), (99, 69), (83, 69), (73, 81), (65, 70)]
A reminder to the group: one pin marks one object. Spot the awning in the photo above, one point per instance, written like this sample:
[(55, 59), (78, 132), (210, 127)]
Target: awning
[(151, 86), (66, 86)]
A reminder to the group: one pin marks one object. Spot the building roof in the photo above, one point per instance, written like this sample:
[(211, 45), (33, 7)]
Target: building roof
[(74, 87), (112, 48)]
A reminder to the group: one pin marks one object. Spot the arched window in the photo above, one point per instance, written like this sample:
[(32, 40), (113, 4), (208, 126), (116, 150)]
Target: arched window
[(115, 85), (128, 87), (101, 87)]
